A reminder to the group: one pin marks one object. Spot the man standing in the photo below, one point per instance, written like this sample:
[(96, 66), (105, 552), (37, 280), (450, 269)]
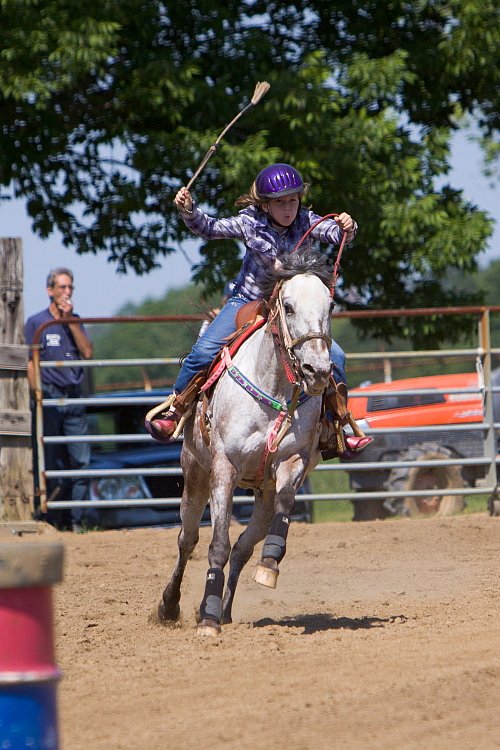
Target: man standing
[(62, 341)]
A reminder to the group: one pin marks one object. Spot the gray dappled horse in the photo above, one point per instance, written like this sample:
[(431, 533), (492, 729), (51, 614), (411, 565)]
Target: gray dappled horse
[(263, 433)]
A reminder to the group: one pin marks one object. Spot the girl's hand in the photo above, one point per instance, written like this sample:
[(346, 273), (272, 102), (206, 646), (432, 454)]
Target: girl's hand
[(183, 200), (346, 223)]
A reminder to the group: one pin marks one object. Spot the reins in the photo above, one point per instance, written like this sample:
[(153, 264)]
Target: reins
[(335, 271)]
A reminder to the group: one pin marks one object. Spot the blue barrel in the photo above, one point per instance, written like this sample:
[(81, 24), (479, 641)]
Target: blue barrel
[(28, 673)]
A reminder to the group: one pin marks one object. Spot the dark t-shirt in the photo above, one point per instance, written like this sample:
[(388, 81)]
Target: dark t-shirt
[(57, 344)]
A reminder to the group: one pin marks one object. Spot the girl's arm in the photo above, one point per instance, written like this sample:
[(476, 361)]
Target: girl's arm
[(206, 226), (331, 230)]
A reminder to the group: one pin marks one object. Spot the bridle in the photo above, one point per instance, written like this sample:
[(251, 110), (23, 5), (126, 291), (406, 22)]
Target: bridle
[(283, 341), (277, 317)]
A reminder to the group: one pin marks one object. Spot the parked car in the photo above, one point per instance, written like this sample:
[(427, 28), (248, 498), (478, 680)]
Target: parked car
[(123, 420), (128, 419), (405, 412)]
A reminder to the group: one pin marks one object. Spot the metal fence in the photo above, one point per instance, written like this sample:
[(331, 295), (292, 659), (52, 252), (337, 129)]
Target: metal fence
[(482, 356)]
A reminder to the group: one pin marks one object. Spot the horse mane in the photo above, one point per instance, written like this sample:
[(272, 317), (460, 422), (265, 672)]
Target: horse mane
[(303, 260)]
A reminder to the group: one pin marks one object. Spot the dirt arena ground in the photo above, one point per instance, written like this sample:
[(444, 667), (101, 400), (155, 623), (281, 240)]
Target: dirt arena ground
[(379, 635)]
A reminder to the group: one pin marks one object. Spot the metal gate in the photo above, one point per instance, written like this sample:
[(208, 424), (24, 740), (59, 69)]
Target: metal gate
[(482, 354)]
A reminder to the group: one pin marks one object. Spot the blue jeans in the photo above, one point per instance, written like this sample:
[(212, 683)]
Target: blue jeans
[(66, 420), (207, 346)]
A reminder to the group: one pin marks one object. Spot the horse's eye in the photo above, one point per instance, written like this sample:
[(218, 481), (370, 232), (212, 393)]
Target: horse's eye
[(288, 309)]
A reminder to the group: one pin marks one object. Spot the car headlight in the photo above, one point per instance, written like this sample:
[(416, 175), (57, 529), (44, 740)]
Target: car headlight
[(119, 488)]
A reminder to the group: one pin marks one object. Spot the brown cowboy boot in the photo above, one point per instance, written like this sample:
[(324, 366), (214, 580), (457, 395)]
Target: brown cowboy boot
[(166, 421), (333, 441)]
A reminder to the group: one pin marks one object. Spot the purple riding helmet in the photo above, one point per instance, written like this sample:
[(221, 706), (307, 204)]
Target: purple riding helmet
[(278, 180)]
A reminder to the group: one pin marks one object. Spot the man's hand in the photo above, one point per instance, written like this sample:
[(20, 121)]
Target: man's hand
[(65, 306)]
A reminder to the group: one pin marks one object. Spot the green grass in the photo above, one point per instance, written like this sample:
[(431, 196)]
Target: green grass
[(323, 482), (331, 510), (476, 504)]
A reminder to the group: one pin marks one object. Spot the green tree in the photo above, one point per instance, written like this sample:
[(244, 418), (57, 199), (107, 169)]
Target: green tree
[(451, 47), (108, 107)]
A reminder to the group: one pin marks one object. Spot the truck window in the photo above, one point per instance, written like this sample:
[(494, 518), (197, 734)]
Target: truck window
[(385, 403)]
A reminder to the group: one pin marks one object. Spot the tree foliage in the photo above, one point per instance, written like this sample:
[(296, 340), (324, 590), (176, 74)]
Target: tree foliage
[(107, 108)]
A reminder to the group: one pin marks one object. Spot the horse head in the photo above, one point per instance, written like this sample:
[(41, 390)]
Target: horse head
[(300, 305)]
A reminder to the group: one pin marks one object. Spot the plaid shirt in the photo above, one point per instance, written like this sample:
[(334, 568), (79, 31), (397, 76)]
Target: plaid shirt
[(263, 243)]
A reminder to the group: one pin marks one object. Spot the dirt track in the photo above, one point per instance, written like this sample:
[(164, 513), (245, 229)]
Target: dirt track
[(379, 635)]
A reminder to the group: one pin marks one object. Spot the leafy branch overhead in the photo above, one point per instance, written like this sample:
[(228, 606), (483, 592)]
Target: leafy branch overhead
[(107, 108)]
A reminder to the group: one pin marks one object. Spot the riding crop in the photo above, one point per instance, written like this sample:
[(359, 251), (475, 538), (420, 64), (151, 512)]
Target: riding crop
[(261, 90)]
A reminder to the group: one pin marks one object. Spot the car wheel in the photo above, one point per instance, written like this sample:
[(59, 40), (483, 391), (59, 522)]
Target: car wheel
[(426, 478)]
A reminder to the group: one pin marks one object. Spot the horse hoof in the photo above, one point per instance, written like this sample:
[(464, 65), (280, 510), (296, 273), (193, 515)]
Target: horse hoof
[(266, 573), (170, 615), (209, 628)]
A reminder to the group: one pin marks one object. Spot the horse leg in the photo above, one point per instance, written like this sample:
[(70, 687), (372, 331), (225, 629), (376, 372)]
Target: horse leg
[(273, 551), (194, 500), (223, 481), (243, 550), (289, 476)]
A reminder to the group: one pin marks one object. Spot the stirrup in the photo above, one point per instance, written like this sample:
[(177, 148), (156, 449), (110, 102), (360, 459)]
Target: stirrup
[(336, 444), (333, 443), (157, 411), (335, 450)]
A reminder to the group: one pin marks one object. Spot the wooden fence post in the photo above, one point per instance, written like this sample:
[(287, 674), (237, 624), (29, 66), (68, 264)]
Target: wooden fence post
[(16, 467)]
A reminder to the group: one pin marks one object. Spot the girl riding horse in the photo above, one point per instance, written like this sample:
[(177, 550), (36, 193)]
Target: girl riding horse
[(270, 224)]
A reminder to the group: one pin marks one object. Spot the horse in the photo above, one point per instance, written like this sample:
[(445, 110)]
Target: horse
[(283, 367)]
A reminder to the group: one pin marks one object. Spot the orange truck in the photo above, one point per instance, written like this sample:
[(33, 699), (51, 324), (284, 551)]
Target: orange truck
[(379, 406)]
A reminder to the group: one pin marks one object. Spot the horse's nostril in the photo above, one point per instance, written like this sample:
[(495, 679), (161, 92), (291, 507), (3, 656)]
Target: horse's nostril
[(316, 375)]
